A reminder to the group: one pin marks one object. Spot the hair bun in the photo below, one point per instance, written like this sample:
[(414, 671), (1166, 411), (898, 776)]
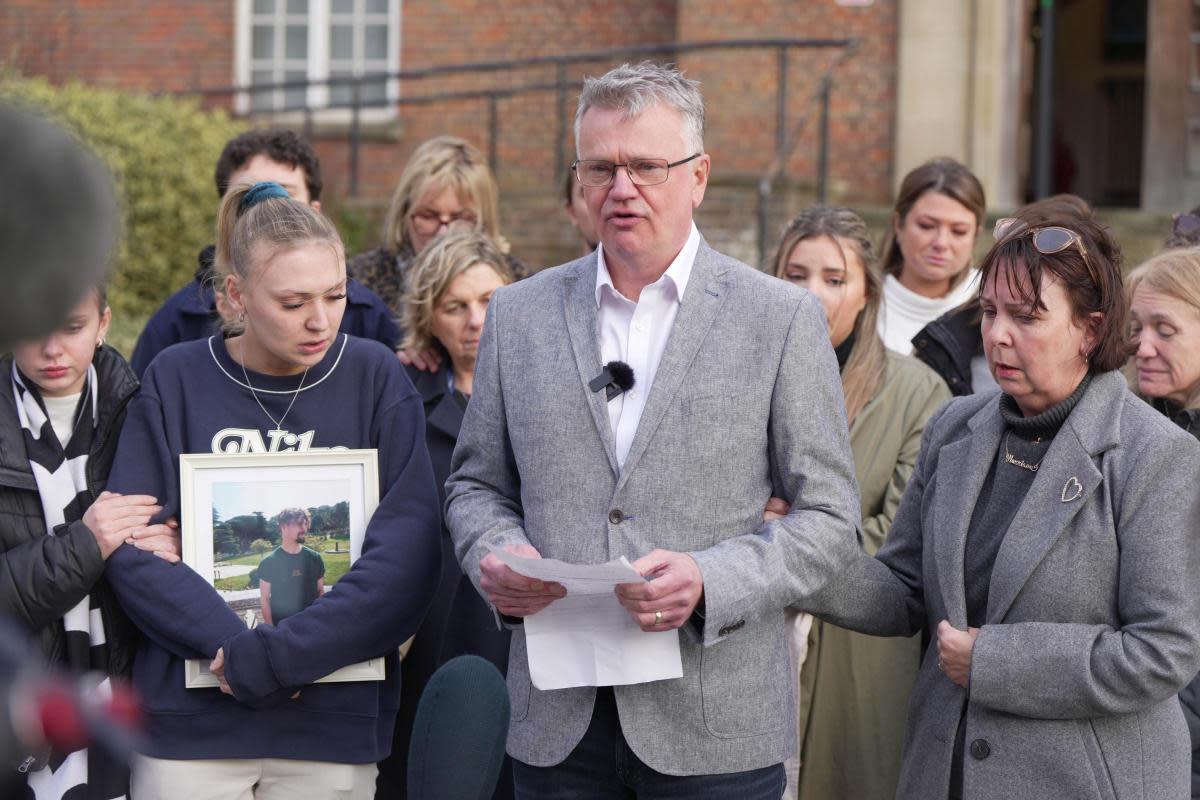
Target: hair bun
[(259, 192)]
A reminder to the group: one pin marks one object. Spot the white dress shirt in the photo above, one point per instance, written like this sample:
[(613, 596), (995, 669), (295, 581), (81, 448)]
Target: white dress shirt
[(637, 334)]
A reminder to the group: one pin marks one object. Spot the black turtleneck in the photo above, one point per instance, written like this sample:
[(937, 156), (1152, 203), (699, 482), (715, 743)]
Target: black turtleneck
[(1027, 440)]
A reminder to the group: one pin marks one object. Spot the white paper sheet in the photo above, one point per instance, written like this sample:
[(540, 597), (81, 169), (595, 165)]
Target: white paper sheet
[(587, 638)]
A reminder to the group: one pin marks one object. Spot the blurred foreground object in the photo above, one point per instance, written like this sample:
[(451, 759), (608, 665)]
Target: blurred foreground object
[(41, 710), (459, 733), (58, 221)]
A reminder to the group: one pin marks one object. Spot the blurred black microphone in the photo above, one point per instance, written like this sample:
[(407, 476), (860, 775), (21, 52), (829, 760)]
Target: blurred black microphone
[(459, 733), (58, 222), (615, 378)]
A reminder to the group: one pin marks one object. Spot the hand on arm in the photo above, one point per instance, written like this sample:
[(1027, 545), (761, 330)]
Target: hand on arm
[(777, 508), (115, 519), (512, 594), (667, 599), (425, 360)]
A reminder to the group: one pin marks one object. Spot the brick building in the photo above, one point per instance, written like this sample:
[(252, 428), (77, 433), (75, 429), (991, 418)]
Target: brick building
[(928, 77)]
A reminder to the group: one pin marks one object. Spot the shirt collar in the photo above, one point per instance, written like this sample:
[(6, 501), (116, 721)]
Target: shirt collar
[(677, 274)]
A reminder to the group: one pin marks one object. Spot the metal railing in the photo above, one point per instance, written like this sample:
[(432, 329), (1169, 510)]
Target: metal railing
[(563, 87)]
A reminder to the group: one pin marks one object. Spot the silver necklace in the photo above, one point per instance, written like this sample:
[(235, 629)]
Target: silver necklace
[(1016, 462), (277, 423)]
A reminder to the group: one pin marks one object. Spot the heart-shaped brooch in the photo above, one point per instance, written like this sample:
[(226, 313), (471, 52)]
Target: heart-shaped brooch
[(1072, 490)]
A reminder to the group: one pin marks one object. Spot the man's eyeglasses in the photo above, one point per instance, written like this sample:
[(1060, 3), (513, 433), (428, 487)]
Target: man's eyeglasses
[(427, 222), (642, 171)]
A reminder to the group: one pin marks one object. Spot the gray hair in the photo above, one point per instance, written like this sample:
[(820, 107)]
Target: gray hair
[(633, 88)]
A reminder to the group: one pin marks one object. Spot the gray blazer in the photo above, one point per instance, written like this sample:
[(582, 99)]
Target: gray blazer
[(1093, 616), (746, 402)]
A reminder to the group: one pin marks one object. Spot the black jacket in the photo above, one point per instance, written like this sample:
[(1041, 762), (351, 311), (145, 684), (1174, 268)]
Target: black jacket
[(459, 621), (949, 343), (42, 577)]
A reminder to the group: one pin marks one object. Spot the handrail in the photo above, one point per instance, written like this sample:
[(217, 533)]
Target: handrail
[(785, 141)]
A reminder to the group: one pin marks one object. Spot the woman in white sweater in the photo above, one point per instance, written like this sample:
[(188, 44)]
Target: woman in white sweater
[(927, 250)]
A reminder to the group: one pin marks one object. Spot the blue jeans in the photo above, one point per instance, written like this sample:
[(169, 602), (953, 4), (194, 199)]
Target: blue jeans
[(603, 767)]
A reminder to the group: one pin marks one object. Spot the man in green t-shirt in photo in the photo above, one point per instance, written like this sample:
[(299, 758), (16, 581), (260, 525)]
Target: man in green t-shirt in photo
[(292, 576)]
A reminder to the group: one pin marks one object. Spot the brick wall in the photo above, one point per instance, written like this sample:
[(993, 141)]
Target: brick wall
[(172, 45), (146, 45)]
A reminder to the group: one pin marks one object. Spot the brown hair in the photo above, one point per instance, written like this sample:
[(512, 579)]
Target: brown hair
[(1093, 285), (1175, 274), (868, 359), (945, 176), (444, 162), (292, 515), (248, 237), (445, 259)]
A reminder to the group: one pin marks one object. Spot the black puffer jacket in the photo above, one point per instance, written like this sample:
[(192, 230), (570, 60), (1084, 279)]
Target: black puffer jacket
[(949, 343), (42, 577)]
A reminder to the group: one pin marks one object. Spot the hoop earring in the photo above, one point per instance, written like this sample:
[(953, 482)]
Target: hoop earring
[(100, 342)]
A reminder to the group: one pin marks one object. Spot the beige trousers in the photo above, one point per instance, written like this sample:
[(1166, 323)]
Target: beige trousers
[(249, 779)]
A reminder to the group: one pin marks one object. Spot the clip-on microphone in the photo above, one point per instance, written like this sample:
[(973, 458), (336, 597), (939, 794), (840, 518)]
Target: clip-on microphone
[(615, 378)]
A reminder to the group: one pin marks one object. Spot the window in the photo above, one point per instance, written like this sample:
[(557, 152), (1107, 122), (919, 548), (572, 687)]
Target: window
[(286, 41)]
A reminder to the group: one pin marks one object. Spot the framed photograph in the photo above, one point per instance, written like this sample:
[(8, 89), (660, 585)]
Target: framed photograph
[(272, 532)]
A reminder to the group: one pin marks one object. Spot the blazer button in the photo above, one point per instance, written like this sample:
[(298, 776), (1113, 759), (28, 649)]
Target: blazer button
[(980, 749), (616, 517)]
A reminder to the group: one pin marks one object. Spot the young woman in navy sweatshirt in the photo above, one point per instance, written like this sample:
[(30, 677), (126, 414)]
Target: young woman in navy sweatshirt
[(284, 380)]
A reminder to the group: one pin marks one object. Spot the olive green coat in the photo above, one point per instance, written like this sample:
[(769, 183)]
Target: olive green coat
[(854, 688)]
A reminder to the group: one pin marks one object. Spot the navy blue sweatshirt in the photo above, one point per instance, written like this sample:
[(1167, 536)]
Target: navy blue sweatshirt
[(194, 399)]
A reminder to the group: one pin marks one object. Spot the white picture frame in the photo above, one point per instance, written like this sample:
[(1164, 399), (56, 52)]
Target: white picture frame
[(225, 498)]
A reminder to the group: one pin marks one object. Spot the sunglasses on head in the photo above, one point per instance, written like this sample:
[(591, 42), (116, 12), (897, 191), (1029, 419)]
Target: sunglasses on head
[(1047, 241)]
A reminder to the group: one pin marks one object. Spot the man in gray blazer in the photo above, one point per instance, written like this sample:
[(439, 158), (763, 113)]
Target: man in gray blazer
[(736, 396)]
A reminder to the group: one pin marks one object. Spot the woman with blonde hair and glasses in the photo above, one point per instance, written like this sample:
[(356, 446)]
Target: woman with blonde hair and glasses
[(446, 186), (444, 306), (854, 688)]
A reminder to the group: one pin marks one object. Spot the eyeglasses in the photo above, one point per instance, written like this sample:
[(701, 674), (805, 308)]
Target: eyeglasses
[(427, 222), (642, 171)]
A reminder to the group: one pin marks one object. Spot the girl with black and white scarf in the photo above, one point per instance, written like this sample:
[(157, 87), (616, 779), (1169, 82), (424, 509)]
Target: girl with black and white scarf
[(62, 403)]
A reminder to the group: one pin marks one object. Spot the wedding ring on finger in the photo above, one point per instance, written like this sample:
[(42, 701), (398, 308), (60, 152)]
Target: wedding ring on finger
[(658, 618)]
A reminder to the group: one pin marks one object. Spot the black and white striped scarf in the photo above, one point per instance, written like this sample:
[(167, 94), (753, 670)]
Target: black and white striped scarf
[(61, 476)]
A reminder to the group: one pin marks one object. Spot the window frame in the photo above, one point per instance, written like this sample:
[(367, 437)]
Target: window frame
[(318, 63)]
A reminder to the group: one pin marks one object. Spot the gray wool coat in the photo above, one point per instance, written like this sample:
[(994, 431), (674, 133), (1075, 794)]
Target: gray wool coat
[(1093, 616), (746, 401)]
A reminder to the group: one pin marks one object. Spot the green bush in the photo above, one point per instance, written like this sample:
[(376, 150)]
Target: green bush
[(261, 546), (162, 151)]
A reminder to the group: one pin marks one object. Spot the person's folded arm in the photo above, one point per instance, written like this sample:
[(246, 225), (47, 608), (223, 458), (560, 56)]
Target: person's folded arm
[(381, 601), (1055, 670), (170, 603), (786, 562)]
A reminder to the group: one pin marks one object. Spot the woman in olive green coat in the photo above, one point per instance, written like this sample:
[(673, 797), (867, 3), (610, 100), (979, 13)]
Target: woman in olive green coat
[(854, 688)]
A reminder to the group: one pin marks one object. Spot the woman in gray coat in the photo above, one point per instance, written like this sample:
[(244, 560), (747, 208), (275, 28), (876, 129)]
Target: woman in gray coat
[(1046, 541)]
